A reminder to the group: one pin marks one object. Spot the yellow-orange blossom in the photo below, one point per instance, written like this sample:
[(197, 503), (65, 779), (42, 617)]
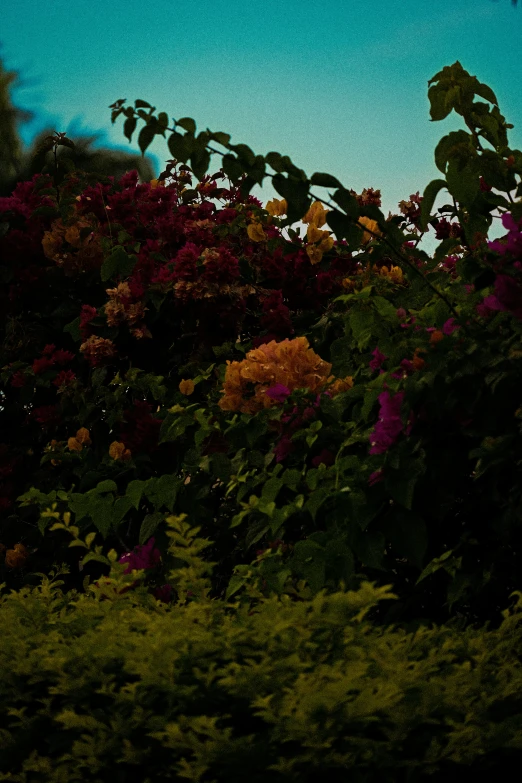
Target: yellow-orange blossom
[(291, 363)]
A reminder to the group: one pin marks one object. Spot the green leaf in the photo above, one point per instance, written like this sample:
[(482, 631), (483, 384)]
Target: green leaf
[(347, 201), (370, 399), (106, 486), (308, 562), (139, 104), (221, 466), (315, 501), (199, 162), (325, 181), (188, 124), (146, 137), (121, 506), (296, 194), (447, 561), (385, 309), (148, 526), (221, 138), (457, 142), (163, 119), (361, 323), (236, 582), (271, 489), (129, 126), (244, 153), (439, 109), (163, 491), (119, 263), (98, 558), (341, 356), (274, 159), (180, 147), (344, 228), (463, 182), (232, 167), (428, 200), (74, 330)]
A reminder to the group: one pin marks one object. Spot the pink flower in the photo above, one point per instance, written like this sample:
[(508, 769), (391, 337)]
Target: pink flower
[(18, 379), (375, 477), (278, 392), (325, 457), (41, 365), (141, 557), (449, 327), (164, 593), (378, 359), (514, 238), (389, 426), (507, 296)]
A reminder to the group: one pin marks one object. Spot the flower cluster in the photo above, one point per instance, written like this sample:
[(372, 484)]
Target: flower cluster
[(75, 247), (291, 364), (390, 425), (121, 308)]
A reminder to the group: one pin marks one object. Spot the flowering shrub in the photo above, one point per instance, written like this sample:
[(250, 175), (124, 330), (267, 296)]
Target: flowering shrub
[(353, 398)]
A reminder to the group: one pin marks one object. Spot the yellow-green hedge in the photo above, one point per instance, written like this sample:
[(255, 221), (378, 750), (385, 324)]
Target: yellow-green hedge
[(111, 686)]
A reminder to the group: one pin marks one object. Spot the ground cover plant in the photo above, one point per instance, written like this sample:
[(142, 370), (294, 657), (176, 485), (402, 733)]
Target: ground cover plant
[(324, 409)]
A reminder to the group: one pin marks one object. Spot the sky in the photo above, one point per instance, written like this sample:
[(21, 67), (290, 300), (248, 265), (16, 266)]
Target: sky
[(339, 87)]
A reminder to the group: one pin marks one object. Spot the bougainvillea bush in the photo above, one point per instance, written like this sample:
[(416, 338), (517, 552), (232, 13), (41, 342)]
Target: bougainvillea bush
[(324, 408)]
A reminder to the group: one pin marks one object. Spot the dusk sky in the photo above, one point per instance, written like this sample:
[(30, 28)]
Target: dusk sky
[(340, 87)]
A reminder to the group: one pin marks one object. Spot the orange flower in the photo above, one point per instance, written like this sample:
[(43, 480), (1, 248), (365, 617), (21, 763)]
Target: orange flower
[(186, 387), (372, 225), (156, 183), (340, 385), (291, 363), (117, 450), (316, 215), (436, 337), (256, 233), (96, 348), (313, 234), (276, 208), (82, 438), (314, 253), (16, 557)]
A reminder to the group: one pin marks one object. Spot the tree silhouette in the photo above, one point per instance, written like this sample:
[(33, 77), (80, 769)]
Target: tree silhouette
[(19, 163)]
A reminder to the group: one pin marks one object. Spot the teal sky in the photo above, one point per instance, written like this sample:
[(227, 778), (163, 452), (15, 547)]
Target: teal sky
[(340, 87)]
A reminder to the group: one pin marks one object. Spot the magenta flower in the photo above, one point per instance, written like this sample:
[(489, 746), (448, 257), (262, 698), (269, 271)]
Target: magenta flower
[(283, 448), (141, 557), (163, 593), (449, 327), (507, 296), (325, 457), (378, 359), (278, 392), (389, 426), (375, 477), (514, 238)]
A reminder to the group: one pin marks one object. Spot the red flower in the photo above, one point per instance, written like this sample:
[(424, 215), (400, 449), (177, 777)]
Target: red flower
[(40, 365), (64, 378), (62, 357), (18, 379)]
